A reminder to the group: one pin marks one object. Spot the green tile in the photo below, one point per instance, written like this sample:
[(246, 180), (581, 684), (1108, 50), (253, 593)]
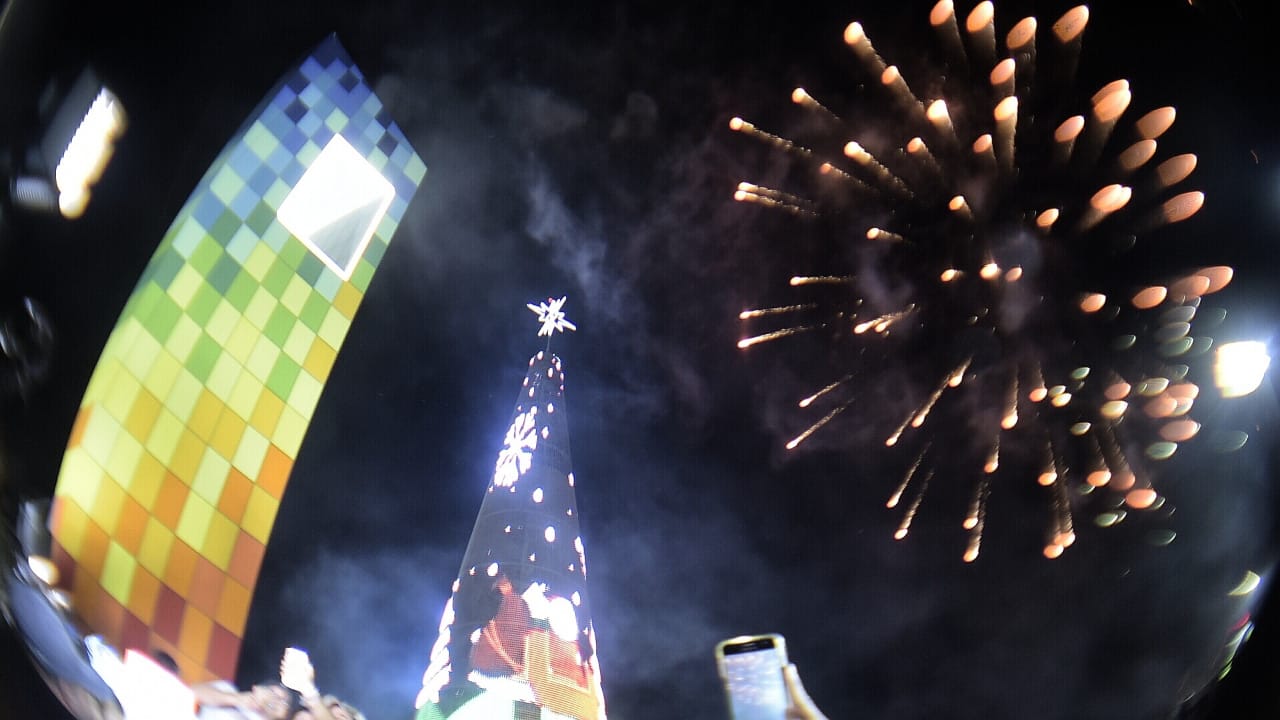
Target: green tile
[(362, 275), (163, 267), (163, 315), (310, 268), (293, 252), (313, 311), (260, 218), (203, 357), (283, 376), (278, 278), (225, 227), (206, 255), (241, 290), (223, 273), (203, 303), (279, 325)]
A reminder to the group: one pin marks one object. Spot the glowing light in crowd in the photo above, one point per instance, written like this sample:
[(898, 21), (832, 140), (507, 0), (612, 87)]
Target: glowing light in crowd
[(87, 153), (984, 292)]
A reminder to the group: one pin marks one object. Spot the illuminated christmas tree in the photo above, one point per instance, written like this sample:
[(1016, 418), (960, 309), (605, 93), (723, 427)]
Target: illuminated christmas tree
[(515, 636)]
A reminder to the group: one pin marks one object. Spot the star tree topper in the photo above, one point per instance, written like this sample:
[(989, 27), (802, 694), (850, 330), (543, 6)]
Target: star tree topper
[(551, 316)]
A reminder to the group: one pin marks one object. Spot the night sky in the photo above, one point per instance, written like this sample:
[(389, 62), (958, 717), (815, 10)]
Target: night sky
[(584, 150)]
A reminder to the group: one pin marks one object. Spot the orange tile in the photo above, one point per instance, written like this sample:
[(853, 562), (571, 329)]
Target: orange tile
[(181, 567), (274, 474), (133, 521), (197, 631), (169, 502), (93, 553), (84, 594), (246, 559), (233, 608), (144, 595), (69, 521), (135, 634), (206, 587), (235, 495), (77, 429)]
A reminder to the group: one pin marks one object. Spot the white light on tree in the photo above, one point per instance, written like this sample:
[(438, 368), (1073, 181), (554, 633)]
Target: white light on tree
[(1239, 367)]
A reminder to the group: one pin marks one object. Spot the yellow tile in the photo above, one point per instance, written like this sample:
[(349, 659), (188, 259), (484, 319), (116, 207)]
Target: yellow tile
[(120, 396), (186, 458), (263, 358), (319, 360), (103, 379), (157, 540), (211, 476), (347, 300), (226, 370), (260, 307), (252, 450), (222, 322), (204, 418), (298, 344), (220, 541), (163, 440), (99, 436), (123, 462), (141, 355), (184, 285), (334, 328), (259, 261), (183, 337), (244, 396), (240, 344), (295, 294), (305, 394), (107, 504), (79, 477), (164, 371), (117, 572), (183, 395), (290, 430), (226, 436), (194, 523), (145, 483), (142, 415), (266, 414), (260, 515)]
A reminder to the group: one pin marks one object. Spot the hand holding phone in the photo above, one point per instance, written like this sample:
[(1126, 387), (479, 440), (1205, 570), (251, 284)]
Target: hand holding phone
[(751, 668)]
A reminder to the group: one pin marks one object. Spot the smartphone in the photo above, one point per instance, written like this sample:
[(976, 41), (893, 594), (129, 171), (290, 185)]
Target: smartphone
[(751, 669)]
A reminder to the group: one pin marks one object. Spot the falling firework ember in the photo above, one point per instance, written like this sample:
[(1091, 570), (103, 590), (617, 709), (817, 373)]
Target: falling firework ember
[(992, 253)]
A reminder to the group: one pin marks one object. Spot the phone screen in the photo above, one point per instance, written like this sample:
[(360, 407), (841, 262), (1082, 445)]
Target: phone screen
[(753, 675)]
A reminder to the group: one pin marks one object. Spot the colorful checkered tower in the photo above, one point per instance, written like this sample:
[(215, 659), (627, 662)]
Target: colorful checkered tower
[(516, 639), (183, 445)]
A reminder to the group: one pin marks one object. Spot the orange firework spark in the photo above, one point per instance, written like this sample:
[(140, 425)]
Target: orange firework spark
[(998, 206)]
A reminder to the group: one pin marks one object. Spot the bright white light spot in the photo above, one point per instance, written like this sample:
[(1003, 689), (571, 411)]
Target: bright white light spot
[(570, 479), (537, 495), (563, 619), (545, 432), (575, 597), (533, 557), (549, 534), (551, 314), (551, 407), (517, 451), (1239, 367), (337, 205), (507, 529), (475, 636), (1247, 585), (577, 545), (492, 570)]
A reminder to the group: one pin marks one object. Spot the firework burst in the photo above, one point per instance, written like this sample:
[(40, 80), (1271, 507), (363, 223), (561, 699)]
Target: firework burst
[(993, 254)]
